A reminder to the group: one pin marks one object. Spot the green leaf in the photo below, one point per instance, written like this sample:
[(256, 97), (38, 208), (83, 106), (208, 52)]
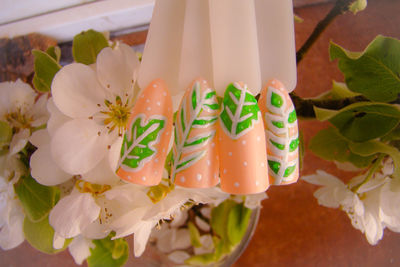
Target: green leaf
[(139, 141), (363, 121), (298, 19), (194, 235), (45, 68), (238, 221), (357, 6), (375, 72), (330, 145), (108, 253), (239, 111), (201, 259), (373, 147), (40, 236), (54, 52), (5, 133), (87, 45), (219, 218), (339, 91), (36, 199)]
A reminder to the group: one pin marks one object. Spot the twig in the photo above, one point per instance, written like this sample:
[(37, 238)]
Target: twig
[(340, 7), (305, 107)]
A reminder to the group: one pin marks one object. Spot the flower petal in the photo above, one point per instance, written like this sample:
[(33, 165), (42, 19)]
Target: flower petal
[(57, 118), (77, 147), (39, 138), (11, 234), (322, 178), (116, 69), (141, 237), (58, 241), (79, 249), (19, 141), (101, 174), (96, 230), (76, 91), (179, 256), (44, 169), (40, 112), (73, 213)]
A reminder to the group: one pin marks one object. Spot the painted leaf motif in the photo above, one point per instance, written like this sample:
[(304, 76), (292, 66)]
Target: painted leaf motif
[(198, 111), (138, 144), (281, 132), (239, 111)]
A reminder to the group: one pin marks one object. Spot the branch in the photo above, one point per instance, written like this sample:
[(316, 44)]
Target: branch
[(305, 107), (340, 7)]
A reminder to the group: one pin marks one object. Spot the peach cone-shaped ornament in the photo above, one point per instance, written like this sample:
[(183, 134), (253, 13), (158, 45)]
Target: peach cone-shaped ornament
[(145, 145), (195, 152), (281, 133), (243, 158)]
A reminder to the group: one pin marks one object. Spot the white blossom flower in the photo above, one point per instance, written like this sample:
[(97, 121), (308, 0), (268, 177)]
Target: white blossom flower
[(20, 110), (89, 111), (11, 215), (141, 215), (362, 207)]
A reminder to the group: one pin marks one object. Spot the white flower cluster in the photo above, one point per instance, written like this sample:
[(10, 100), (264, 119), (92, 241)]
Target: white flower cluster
[(79, 151), (372, 205), (20, 110)]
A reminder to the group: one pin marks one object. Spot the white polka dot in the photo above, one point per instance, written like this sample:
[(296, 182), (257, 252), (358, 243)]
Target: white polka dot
[(257, 183), (208, 162), (245, 163), (198, 177), (273, 82), (164, 94), (167, 133), (163, 150), (183, 179), (158, 103), (262, 164), (155, 85), (213, 145), (215, 176), (229, 153), (129, 177), (147, 100), (258, 139), (156, 160), (144, 178), (225, 171), (236, 184), (148, 108), (244, 142)]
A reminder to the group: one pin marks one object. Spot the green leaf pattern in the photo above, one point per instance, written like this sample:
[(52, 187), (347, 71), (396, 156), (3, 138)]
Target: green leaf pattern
[(281, 120), (198, 110), (139, 141), (239, 111)]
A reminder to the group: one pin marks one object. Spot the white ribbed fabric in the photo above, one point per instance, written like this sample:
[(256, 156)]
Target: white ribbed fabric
[(222, 41)]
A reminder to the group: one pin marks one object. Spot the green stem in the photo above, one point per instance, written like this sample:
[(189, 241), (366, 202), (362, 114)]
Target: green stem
[(371, 172), (340, 7)]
